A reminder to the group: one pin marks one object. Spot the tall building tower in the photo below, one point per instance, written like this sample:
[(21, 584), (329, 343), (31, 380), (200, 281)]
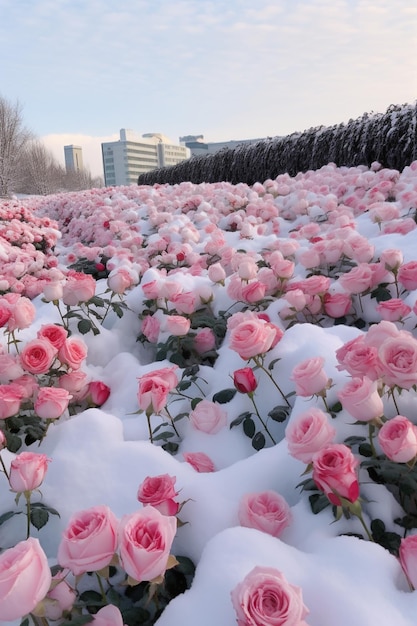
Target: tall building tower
[(133, 154), (73, 158)]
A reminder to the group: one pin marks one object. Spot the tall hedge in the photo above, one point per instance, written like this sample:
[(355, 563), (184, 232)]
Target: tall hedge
[(389, 138)]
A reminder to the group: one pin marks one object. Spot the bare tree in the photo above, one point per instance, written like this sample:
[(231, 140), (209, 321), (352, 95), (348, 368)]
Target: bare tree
[(40, 172), (13, 141)]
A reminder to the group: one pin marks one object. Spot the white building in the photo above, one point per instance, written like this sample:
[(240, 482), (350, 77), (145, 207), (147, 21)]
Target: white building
[(73, 158), (135, 154)]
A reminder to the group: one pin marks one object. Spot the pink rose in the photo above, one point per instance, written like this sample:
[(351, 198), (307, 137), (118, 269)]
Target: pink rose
[(398, 439), (266, 598), (5, 312), (150, 328), (359, 358), (151, 290), (89, 541), (204, 341), (407, 275), (398, 357), (253, 292), (154, 388), (377, 333), (25, 578), (309, 377), (358, 279), (393, 310), (10, 400), (98, 392), (145, 540), (73, 352), (200, 461), (53, 290), (208, 417), (177, 325), (108, 616), (27, 471), (78, 287), (37, 356), (337, 304), (266, 511), (51, 402), (244, 380), (335, 473), (60, 598), (119, 280), (308, 433), (185, 302), (253, 337), (361, 399), (216, 273), (159, 491), (391, 258), (75, 383), (23, 312), (408, 558), (54, 333)]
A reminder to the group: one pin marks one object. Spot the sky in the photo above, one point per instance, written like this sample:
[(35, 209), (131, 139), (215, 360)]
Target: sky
[(233, 69)]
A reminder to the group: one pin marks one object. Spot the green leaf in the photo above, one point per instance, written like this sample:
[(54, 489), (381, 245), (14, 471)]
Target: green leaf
[(41, 505), (249, 427), (8, 515), (24, 622), (408, 521), (365, 449), (279, 413), (170, 447), (84, 326), (136, 615), (14, 442), (258, 442), (272, 363), (381, 294), (238, 420), (117, 309), (353, 441), (165, 435), (97, 301), (336, 407), (91, 598), (39, 517), (194, 402), (183, 385), (224, 396), (318, 502)]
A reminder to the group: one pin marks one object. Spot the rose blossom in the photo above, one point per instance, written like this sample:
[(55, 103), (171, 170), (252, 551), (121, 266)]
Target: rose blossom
[(309, 377), (361, 399), (177, 325), (407, 275), (154, 388), (60, 598), (75, 383), (334, 472), (51, 402), (253, 292), (10, 399), (254, 337), (150, 328), (25, 578), (78, 287), (393, 310), (265, 598), (108, 616), (54, 333), (73, 352), (308, 433), (359, 358), (398, 357), (408, 558), (119, 280), (37, 356), (392, 258), (358, 279), (337, 304), (145, 540), (27, 471), (200, 461), (398, 439), (159, 491), (98, 392), (204, 341), (266, 511), (244, 380), (23, 312), (208, 417), (89, 541), (216, 273)]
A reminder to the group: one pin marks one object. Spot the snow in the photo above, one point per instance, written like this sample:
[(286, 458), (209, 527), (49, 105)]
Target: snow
[(101, 456)]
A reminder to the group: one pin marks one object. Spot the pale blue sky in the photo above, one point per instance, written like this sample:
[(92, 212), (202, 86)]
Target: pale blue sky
[(236, 69)]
